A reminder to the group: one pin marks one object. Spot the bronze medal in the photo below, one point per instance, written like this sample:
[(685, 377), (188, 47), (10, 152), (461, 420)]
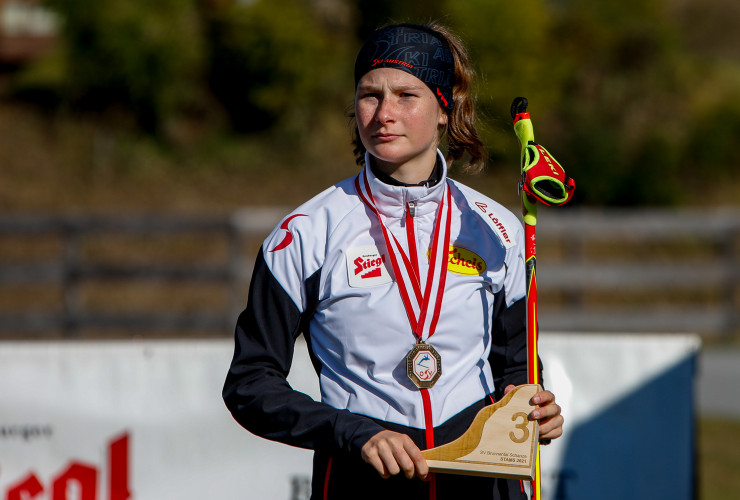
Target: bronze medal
[(423, 365)]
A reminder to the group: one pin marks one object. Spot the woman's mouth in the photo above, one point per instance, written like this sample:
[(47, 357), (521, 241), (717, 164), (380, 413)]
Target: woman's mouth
[(386, 137)]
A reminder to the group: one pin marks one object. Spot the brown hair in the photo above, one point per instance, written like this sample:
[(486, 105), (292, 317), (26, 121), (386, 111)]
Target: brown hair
[(462, 135)]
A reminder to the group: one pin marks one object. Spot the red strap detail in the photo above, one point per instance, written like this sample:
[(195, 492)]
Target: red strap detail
[(415, 282), (417, 324), (371, 203), (521, 116), (326, 478), (428, 417), (443, 276), (394, 262), (430, 278), (429, 425)]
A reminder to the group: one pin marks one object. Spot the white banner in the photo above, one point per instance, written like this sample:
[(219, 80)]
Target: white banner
[(628, 403), (97, 419), (145, 420)]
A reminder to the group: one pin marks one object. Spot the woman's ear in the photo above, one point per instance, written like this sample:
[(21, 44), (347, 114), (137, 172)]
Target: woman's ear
[(443, 119)]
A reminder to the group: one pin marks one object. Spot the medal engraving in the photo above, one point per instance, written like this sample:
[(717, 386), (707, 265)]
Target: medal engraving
[(423, 365)]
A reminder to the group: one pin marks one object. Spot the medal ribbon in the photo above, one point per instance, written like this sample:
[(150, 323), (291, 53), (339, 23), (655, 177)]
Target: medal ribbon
[(407, 275)]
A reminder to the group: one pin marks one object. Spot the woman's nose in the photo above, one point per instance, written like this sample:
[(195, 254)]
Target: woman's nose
[(385, 112)]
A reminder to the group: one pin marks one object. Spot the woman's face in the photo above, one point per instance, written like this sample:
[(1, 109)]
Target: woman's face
[(398, 118)]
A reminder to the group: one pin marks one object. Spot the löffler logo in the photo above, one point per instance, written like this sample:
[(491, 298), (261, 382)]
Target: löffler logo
[(366, 266), (288, 238), (496, 224)]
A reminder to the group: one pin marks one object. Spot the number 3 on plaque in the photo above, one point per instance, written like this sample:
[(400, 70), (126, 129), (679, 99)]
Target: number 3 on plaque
[(522, 426)]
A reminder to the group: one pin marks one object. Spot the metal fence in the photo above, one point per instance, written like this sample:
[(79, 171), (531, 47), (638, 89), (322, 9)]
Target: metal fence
[(643, 271), (616, 270)]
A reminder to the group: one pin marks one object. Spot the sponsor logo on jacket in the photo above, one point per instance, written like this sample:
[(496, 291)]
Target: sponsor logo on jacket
[(367, 266), (495, 223), (463, 261), (288, 236)]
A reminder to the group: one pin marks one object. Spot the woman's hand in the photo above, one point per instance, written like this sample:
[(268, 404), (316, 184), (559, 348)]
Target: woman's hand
[(392, 453), (547, 414)]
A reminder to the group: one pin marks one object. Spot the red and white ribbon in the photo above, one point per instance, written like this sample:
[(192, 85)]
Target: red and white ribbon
[(422, 305)]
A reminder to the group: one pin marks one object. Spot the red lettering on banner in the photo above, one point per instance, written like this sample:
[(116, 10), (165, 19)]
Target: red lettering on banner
[(86, 478), (81, 477), (25, 489), (118, 468)]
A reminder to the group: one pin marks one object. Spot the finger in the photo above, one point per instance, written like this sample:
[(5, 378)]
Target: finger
[(388, 458), (548, 416), (390, 453), (379, 466), (508, 389), (546, 411), (543, 398), (552, 428), (546, 405), (421, 468), (410, 459), (375, 453), (373, 458), (404, 461)]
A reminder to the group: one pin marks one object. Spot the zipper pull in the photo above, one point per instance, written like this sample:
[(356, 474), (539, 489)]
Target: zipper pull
[(411, 208)]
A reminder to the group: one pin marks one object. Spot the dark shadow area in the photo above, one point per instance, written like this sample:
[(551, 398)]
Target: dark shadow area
[(641, 447)]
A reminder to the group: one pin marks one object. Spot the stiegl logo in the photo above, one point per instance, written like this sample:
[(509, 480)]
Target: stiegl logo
[(366, 266), (80, 476), (369, 267)]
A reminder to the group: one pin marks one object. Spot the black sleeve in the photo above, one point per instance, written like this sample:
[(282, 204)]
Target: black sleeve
[(256, 390), (508, 358)]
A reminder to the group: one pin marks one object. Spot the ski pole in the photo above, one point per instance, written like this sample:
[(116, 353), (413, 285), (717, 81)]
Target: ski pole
[(543, 180)]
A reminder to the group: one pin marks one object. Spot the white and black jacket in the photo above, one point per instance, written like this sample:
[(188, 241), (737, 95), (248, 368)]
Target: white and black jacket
[(322, 272)]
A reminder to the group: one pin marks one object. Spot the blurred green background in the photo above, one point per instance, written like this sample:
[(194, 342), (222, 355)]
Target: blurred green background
[(212, 104)]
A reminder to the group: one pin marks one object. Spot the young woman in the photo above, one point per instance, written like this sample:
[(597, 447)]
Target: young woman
[(408, 287)]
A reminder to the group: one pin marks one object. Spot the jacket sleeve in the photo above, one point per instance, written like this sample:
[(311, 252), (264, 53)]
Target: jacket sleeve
[(256, 390), (508, 357)]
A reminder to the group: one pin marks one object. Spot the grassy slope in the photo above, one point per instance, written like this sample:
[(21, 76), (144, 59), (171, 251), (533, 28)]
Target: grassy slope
[(719, 459)]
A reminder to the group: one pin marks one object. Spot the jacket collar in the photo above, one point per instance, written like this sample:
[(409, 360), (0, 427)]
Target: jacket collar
[(392, 197)]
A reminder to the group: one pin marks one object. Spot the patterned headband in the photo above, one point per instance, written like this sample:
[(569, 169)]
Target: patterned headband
[(414, 49)]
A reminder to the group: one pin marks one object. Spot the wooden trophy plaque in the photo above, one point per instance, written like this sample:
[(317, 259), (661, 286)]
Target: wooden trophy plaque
[(501, 441)]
